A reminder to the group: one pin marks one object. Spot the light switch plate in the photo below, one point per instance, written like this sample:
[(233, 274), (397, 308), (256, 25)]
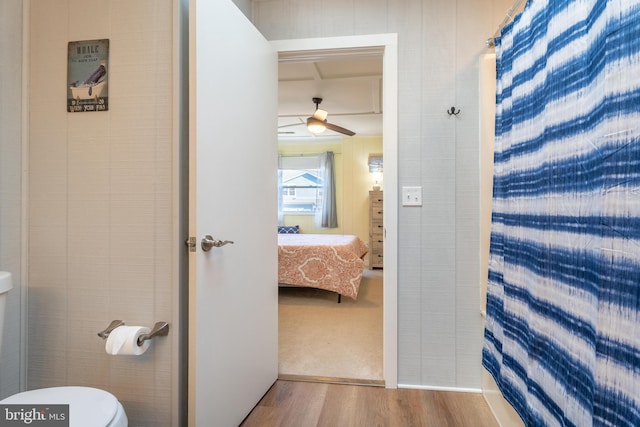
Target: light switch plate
[(411, 196)]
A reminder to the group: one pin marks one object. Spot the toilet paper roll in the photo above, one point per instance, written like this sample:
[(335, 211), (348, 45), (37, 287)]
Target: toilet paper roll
[(124, 340)]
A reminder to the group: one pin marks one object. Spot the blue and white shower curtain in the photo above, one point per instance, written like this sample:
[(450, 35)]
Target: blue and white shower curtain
[(562, 336)]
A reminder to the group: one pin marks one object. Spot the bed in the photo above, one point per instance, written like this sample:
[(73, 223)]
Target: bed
[(332, 262)]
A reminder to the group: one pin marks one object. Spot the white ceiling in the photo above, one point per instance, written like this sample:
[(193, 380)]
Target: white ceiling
[(349, 82)]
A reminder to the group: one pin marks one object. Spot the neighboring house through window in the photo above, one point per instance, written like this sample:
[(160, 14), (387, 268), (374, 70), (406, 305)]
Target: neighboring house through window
[(300, 184), (306, 185)]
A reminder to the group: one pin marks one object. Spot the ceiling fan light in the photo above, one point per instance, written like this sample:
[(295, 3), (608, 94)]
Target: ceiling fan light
[(315, 126), (320, 115)]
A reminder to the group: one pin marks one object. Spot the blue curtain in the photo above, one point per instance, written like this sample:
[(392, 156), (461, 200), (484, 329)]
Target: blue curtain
[(280, 201), (562, 336), (328, 215)]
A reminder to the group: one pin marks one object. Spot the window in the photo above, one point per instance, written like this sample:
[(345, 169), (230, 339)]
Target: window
[(306, 184), (300, 184)]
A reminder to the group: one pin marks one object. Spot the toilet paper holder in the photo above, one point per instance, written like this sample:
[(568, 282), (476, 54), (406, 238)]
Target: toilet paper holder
[(159, 329)]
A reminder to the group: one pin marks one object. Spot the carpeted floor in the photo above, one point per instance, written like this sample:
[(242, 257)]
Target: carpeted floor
[(323, 339)]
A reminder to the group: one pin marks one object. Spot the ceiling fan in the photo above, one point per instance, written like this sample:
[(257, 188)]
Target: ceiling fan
[(317, 123)]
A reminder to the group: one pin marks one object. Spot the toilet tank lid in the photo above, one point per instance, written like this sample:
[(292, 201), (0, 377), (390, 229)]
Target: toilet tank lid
[(87, 406), (5, 281)]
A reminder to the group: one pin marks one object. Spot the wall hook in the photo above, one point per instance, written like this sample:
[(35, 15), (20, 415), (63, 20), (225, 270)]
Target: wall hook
[(453, 112)]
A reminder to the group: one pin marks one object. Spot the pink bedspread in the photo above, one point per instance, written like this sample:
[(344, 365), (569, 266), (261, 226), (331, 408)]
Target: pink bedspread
[(325, 261)]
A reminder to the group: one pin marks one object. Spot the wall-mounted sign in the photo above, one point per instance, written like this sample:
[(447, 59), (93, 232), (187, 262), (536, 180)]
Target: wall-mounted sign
[(87, 76)]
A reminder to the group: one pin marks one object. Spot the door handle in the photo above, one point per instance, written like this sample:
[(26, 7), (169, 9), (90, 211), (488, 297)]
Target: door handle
[(209, 242)]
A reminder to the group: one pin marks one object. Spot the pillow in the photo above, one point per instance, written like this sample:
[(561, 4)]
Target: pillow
[(289, 229)]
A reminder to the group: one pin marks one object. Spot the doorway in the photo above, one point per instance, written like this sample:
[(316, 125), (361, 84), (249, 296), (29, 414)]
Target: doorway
[(386, 45)]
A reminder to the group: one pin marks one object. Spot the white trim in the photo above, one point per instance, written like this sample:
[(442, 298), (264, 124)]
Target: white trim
[(191, 380), (24, 184), (502, 410), (178, 32), (435, 388), (389, 42)]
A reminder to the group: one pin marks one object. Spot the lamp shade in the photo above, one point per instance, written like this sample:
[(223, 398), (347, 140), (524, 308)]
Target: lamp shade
[(320, 115)]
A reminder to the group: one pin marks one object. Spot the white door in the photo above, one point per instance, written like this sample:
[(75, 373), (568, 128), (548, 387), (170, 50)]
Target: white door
[(233, 161)]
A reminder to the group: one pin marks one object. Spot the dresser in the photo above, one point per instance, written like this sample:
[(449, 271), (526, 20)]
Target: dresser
[(376, 230)]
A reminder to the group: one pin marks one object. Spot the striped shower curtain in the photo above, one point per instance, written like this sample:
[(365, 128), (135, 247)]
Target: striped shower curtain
[(562, 336)]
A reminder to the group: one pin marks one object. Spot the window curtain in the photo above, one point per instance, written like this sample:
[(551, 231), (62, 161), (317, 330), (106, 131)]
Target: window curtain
[(562, 335), (280, 213), (328, 215)]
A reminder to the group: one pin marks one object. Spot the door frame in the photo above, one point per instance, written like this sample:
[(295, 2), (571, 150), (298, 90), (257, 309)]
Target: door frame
[(389, 44)]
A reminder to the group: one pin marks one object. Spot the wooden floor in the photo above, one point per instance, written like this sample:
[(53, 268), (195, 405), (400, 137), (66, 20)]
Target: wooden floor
[(302, 404)]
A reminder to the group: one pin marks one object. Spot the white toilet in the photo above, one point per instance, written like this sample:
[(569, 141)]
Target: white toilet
[(88, 407)]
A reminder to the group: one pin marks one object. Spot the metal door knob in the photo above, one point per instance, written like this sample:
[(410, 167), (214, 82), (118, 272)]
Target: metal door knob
[(209, 242)]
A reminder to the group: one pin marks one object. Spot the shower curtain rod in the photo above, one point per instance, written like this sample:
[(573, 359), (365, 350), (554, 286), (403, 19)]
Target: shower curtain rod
[(490, 42)]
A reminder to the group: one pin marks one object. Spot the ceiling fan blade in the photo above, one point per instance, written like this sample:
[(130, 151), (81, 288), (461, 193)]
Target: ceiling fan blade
[(339, 129), (289, 125)]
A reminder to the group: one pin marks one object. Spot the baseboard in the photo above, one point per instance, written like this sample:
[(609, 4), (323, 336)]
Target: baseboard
[(331, 380), (437, 388)]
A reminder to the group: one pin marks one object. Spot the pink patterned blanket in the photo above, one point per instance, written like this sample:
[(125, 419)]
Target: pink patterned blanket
[(325, 261)]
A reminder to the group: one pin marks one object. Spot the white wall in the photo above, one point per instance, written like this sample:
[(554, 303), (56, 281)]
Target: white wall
[(439, 43), (102, 203), (10, 187)]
